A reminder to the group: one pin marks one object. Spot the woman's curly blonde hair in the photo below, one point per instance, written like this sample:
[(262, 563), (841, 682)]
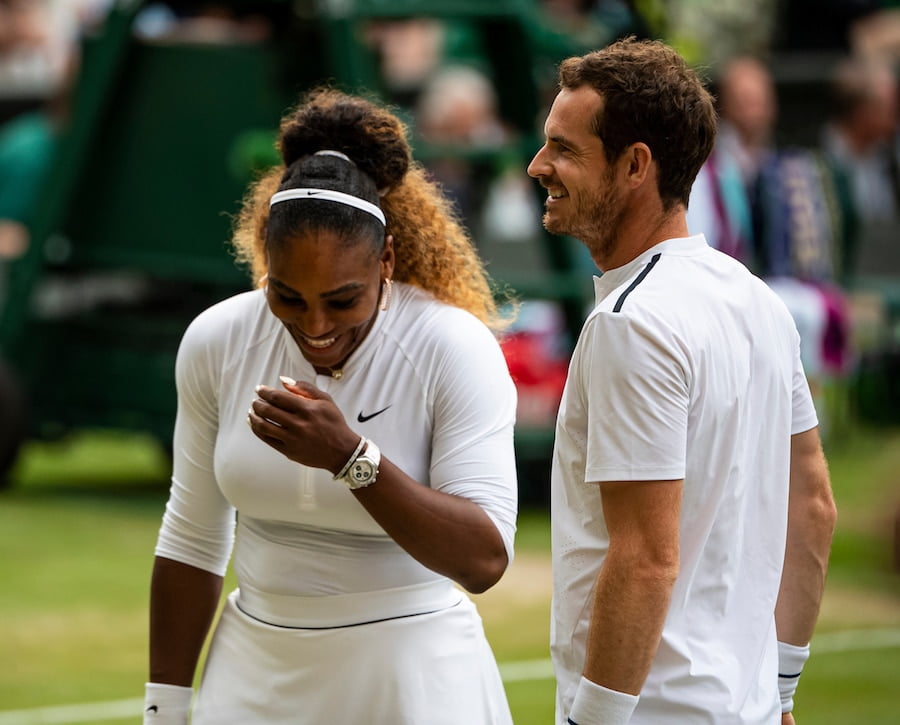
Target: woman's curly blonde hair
[(431, 247)]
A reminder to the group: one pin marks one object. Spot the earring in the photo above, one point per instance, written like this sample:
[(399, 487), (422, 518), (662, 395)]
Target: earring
[(386, 290), (263, 282)]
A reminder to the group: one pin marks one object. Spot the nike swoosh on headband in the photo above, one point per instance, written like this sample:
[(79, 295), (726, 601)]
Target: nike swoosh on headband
[(329, 195)]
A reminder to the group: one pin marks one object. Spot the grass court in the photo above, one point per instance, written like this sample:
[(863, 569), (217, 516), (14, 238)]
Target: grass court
[(78, 527)]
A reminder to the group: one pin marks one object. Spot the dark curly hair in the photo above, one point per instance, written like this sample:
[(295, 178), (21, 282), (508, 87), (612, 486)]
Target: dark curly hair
[(432, 249), (650, 95)]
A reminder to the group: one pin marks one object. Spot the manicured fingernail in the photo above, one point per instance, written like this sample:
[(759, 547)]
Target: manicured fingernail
[(249, 422), (286, 380), (250, 411), (258, 388)]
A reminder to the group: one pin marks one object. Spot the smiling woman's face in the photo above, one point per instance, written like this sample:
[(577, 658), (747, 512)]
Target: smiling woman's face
[(326, 292)]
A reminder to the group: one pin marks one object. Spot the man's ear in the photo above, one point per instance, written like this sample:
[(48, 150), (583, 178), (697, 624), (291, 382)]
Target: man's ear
[(638, 160)]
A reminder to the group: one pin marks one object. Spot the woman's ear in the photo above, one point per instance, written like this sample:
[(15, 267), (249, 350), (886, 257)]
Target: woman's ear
[(387, 257)]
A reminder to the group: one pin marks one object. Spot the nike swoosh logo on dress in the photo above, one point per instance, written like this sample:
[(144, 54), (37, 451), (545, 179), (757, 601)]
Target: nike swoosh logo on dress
[(362, 418)]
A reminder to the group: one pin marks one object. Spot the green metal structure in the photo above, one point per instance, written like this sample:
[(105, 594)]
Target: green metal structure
[(162, 141)]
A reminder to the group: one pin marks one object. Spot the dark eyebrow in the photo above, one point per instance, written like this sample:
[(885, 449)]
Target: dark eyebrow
[(349, 287), (562, 141)]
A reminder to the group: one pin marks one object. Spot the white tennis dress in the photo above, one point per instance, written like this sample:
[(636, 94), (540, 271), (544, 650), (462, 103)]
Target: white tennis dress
[(332, 621)]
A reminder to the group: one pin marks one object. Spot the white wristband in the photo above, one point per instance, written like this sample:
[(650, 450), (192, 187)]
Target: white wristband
[(166, 704), (791, 659), (598, 705)]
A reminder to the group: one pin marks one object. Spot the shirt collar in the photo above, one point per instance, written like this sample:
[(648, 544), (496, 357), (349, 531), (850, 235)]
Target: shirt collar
[(613, 278)]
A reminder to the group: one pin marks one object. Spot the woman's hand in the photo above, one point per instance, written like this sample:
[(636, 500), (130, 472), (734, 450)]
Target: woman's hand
[(304, 424), (448, 534)]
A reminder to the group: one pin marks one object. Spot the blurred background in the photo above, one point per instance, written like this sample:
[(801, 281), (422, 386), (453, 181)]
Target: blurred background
[(128, 133)]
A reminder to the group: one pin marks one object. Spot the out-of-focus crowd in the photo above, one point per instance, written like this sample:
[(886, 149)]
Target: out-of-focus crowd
[(813, 218)]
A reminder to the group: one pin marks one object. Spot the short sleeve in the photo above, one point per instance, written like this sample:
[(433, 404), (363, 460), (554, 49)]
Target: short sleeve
[(638, 399), (803, 417)]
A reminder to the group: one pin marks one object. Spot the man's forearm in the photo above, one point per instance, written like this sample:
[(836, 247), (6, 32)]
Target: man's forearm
[(803, 582), (811, 520), (630, 603)]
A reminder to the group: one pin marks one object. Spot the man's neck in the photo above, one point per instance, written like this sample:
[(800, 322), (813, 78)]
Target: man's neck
[(641, 233)]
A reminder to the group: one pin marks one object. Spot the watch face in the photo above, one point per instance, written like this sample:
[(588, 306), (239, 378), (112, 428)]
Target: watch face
[(362, 471)]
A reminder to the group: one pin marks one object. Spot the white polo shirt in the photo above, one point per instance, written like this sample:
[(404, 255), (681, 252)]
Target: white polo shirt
[(428, 384), (688, 367)]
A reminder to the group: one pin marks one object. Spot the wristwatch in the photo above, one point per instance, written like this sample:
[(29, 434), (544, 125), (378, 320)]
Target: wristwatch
[(362, 467)]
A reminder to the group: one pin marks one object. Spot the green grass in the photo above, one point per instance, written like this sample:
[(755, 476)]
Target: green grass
[(532, 703), (76, 539), (865, 472), (850, 687)]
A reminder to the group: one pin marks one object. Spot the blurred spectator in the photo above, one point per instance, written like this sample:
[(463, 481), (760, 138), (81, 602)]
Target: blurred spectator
[(409, 52), (458, 106), (779, 211), (29, 140), (876, 34), (748, 109), (721, 204), (859, 134), (27, 143), (457, 118), (35, 46), (38, 57), (201, 22), (722, 192)]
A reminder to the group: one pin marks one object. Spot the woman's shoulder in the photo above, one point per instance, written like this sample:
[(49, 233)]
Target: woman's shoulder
[(450, 349), (240, 316), (421, 314), (429, 329)]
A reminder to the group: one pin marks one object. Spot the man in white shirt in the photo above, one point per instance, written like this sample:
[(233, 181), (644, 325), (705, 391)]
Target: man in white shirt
[(691, 504)]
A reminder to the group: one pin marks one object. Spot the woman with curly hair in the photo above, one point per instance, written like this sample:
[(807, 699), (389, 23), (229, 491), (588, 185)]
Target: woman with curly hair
[(374, 469)]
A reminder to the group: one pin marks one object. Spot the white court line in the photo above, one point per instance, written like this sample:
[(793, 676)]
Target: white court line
[(85, 712), (856, 640), (526, 670), (853, 640)]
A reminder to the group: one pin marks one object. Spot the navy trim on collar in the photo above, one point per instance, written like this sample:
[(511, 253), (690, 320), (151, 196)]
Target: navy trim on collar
[(637, 281)]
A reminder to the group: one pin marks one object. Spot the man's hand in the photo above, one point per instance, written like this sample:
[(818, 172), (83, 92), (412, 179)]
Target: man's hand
[(787, 718)]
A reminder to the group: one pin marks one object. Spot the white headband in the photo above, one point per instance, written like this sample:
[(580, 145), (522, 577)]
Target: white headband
[(329, 195)]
